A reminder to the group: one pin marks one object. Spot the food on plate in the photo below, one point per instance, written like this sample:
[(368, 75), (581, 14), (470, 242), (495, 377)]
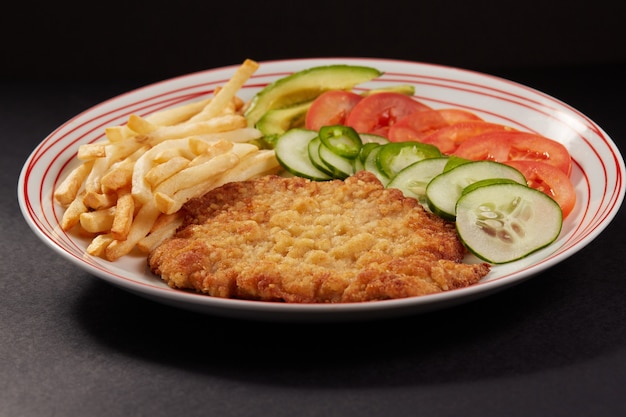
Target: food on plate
[(301, 241), (128, 188), (504, 220), (444, 190), (305, 85), (456, 132)]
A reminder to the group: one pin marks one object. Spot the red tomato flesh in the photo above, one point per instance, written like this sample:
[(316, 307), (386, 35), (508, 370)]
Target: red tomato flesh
[(377, 112), (454, 115), (331, 108), (549, 180), (448, 138), (502, 146), (415, 126)]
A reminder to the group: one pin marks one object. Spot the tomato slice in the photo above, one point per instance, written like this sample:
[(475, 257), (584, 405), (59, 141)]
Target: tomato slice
[(377, 112), (448, 138), (502, 146), (550, 180), (415, 126), (331, 108), (454, 115)]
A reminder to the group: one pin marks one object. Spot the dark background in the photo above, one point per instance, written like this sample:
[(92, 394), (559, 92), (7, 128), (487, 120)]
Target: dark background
[(154, 40)]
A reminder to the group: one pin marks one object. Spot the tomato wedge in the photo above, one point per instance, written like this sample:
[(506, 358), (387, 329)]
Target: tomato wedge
[(503, 146), (415, 126), (377, 112), (550, 180), (448, 138), (454, 115), (331, 108)]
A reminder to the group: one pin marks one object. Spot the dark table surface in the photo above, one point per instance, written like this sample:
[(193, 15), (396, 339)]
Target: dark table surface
[(73, 345)]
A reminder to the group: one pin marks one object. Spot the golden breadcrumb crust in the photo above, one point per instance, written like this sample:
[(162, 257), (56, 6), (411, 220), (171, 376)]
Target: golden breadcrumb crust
[(300, 241)]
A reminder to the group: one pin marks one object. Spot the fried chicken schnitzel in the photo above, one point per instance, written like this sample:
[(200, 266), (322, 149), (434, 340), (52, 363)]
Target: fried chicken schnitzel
[(300, 241)]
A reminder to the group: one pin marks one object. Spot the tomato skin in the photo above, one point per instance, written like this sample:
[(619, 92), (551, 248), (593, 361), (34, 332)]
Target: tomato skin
[(502, 146), (415, 126), (331, 108), (550, 180), (453, 115), (377, 112), (448, 138)]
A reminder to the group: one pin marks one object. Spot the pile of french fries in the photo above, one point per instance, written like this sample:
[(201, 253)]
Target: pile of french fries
[(128, 189)]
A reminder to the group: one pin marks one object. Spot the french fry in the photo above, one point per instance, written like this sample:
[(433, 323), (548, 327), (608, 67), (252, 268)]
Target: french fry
[(98, 245), (71, 216), (97, 221), (140, 125), (123, 219), (140, 186), (245, 134), (195, 177), (91, 151), (214, 125), (67, 191), (178, 114), (226, 94), (171, 202), (142, 223), (127, 192), (119, 176), (118, 151), (159, 173), (98, 201), (164, 227)]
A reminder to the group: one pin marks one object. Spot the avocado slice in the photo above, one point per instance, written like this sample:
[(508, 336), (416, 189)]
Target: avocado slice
[(406, 89), (306, 85), (275, 122)]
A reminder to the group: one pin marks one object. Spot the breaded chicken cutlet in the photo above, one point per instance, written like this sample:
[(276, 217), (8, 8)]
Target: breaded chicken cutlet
[(299, 241)]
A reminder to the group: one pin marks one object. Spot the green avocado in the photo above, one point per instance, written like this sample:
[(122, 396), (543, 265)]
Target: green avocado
[(406, 89), (277, 121), (306, 85)]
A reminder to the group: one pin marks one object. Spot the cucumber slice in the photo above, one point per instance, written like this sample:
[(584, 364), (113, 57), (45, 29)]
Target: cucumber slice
[(504, 222), (370, 163), (314, 155), (444, 190), (395, 156), (340, 166), (483, 183), (414, 179), (292, 152)]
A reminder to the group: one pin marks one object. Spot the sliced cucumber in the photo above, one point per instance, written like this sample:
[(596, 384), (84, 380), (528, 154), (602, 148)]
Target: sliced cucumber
[(314, 155), (489, 181), (292, 152), (504, 222), (444, 190), (414, 179), (369, 163), (340, 166), (395, 156)]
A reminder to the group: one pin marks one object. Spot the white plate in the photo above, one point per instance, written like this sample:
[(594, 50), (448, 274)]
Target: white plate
[(598, 171)]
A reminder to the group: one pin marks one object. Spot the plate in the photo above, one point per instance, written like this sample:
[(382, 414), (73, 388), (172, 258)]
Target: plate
[(598, 171)]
